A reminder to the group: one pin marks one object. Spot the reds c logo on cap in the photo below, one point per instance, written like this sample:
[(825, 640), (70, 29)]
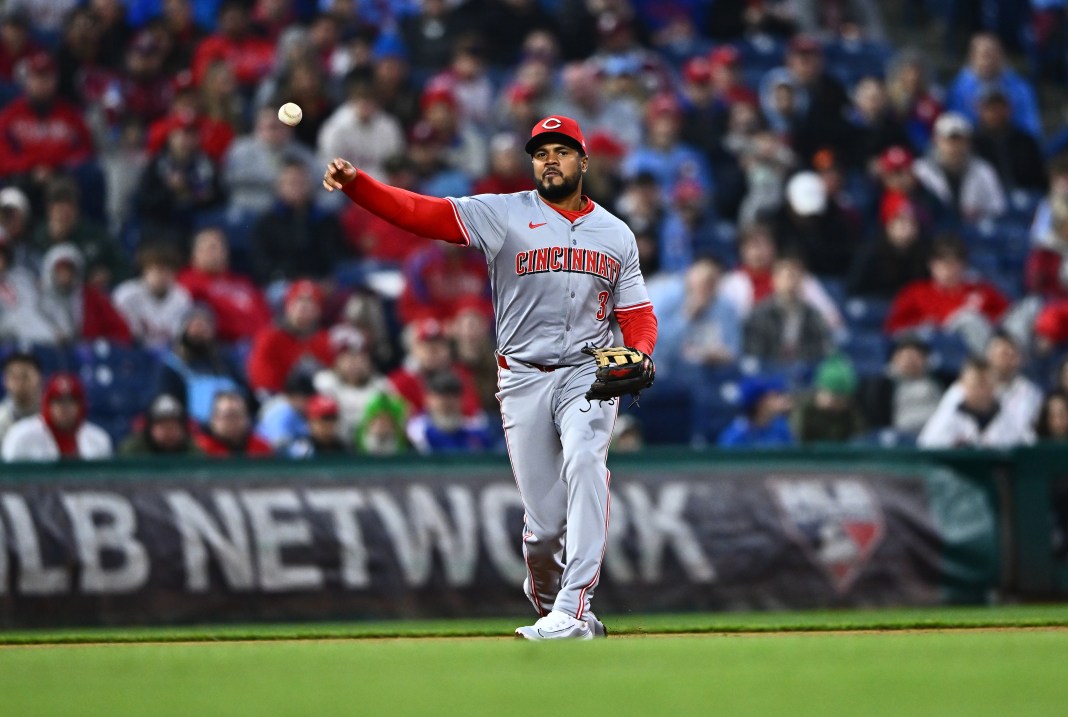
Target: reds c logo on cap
[(562, 127)]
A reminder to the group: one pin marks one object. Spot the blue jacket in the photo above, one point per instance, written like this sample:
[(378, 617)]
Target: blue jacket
[(742, 434), (963, 97)]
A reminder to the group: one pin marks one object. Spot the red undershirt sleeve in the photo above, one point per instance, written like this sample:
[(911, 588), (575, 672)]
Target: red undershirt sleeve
[(639, 328), (430, 217)]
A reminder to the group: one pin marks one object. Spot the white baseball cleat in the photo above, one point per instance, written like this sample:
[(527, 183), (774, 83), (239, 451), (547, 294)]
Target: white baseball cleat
[(556, 626), (596, 626)]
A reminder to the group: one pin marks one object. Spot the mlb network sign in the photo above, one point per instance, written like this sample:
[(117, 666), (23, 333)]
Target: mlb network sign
[(166, 550)]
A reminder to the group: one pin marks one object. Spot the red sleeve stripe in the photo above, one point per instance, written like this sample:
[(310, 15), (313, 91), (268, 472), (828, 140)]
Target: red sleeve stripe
[(467, 237), (635, 307)]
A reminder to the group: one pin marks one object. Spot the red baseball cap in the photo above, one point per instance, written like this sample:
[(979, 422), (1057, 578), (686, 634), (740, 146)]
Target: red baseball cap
[(41, 63), (895, 159), (320, 406), (605, 145), (697, 71), (429, 330), (724, 55), (559, 128), (304, 289)]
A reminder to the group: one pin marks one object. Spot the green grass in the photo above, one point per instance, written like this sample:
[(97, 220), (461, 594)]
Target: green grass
[(895, 619), (799, 673)]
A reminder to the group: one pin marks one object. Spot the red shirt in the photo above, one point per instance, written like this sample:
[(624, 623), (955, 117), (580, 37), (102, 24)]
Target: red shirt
[(100, 320), (57, 138), (1044, 274), (215, 135), (250, 57), (375, 238), (275, 351), (923, 302), (440, 281), (240, 308), (254, 447)]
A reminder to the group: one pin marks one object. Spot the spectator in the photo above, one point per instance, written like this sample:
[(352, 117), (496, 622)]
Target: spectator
[(184, 32), (177, 184), (468, 82), (711, 87), (689, 227), (194, 370), (16, 224), (228, 433), (813, 225), (1013, 153), (298, 338), (948, 301), (138, 92), (236, 44), (1052, 424), (16, 43), (394, 88), (253, 162), (830, 414), (977, 418), (441, 279), (823, 123), (965, 184), (896, 171), (40, 132), (1018, 395), (283, 419), (986, 66), (627, 435), (508, 172), (895, 259), (784, 326), (364, 311), (80, 50), (584, 101), (105, 264), (428, 353), (765, 405), (429, 156), (165, 431), (295, 238), (443, 427), (154, 305), (1041, 227), (359, 130), (214, 135), (240, 309), (906, 395), (431, 33), (60, 431), (765, 160), (322, 438), (74, 310), (912, 100), (22, 390), (663, 154), (382, 429), (21, 319), (751, 282), (783, 103), (352, 381), (875, 127), (698, 326), (472, 335)]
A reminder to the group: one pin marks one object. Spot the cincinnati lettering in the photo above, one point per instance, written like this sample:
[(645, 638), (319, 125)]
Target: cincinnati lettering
[(569, 259)]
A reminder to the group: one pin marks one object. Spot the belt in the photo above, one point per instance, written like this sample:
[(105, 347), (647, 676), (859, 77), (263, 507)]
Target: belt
[(503, 363)]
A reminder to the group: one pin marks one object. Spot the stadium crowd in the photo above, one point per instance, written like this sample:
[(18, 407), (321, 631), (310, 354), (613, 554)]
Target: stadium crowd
[(840, 244)]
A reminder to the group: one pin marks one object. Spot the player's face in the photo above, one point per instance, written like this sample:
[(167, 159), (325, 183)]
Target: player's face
[(557, 170)]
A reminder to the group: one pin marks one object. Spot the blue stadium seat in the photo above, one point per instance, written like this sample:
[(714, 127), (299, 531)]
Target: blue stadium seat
[(948, 353), (868, 350), (864, 314)]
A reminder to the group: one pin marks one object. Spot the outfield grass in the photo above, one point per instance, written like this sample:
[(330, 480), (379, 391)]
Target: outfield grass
[(744, 666)]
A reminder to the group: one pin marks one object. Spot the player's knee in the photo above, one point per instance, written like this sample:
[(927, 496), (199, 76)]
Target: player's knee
[(582, 460)]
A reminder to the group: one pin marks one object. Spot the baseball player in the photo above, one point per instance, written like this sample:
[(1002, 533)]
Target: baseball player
[(564, 272)]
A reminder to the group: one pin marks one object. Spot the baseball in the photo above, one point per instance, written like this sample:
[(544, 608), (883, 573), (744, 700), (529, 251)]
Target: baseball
[(290, 114)]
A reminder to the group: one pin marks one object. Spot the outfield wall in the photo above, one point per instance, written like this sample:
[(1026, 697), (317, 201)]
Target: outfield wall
[(174, 541)]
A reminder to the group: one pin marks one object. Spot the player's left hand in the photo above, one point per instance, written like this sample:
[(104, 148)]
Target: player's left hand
[(620, 370), (339, 172)]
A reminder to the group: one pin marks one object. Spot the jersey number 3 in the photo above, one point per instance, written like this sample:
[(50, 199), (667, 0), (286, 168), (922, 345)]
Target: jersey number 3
[(602, 310)]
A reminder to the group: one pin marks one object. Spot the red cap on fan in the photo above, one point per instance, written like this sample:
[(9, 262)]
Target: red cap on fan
[(562, 129)]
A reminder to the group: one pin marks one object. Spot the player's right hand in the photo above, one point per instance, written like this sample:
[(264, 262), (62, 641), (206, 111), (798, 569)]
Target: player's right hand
[(338, 173)]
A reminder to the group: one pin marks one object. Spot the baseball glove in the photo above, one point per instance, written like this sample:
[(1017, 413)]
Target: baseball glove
[(620, 370)]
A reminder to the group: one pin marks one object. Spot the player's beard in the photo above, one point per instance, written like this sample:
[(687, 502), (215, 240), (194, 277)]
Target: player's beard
[(555, 192)]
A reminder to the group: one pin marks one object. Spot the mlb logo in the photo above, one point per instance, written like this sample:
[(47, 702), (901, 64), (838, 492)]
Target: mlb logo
[(837, 522)]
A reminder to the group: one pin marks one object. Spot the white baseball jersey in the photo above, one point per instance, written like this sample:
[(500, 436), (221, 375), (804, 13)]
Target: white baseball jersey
[(555, 283)]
